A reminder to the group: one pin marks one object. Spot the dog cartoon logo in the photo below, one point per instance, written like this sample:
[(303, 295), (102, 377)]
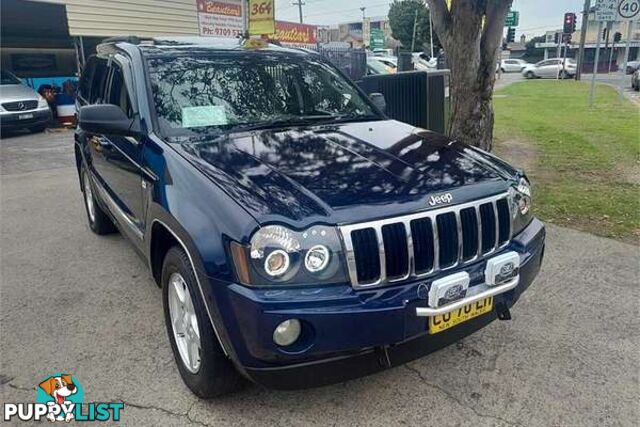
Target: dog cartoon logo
[(61, 393)]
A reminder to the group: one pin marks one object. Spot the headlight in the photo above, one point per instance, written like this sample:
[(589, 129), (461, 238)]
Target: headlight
[(277, 255), (520, 198), (42, 103)]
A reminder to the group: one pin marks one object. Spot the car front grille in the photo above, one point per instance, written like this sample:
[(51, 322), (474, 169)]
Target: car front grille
[(418, 245), (20, 105)]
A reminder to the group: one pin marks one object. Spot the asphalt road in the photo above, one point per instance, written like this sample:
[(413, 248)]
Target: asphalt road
[(75, 302), (611, 79)]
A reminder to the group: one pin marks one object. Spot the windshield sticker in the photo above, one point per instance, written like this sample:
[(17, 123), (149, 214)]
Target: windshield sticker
[(210, 115)]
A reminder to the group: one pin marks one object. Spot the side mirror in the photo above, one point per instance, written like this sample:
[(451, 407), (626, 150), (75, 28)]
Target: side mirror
[(379, 101), (107, 119)]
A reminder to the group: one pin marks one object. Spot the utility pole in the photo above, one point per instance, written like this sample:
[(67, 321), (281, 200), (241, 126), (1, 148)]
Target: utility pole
[(299, 3), (413, 38), (583, 37), (431, 33)]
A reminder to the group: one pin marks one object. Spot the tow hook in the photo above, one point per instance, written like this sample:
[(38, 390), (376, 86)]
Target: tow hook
[(503, 311), (383, 357)]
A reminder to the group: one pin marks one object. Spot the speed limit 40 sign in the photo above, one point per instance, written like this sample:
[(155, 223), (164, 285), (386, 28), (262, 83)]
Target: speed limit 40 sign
[(629, 10)]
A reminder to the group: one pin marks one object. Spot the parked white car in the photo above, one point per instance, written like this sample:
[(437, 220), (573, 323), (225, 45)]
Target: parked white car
[(20, 106), (551, 68), (513, 65), (422, 62)]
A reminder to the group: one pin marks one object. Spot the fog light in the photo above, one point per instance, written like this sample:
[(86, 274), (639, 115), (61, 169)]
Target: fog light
[(287, 332)]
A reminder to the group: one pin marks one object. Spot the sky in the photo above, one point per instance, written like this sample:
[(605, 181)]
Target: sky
[(536, 16)]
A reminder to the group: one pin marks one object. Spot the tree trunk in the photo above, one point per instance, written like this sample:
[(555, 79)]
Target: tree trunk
[(471, 46)]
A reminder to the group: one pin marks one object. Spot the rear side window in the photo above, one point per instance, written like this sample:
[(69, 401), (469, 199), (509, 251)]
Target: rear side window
[(98, 82), (84, 86), (118, 94)]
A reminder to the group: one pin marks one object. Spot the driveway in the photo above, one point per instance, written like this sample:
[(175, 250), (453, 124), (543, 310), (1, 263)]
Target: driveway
[(86, 305)]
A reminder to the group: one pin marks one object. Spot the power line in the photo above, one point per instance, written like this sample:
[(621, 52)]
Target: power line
[(299, 3), (345, 10)]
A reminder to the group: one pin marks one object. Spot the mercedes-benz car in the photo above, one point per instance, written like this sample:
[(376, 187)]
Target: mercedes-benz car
[(20, 106), (299, 236)]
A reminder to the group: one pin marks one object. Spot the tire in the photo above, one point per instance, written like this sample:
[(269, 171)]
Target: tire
[(563, 75), (214, 375), (530, 75), (99, 221), (503, 70)]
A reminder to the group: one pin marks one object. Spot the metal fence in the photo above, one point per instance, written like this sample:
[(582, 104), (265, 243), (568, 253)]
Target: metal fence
[(352, 62), (418, 98)]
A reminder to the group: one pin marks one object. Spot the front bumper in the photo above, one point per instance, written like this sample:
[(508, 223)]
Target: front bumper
[(17, 120), (348, 333)]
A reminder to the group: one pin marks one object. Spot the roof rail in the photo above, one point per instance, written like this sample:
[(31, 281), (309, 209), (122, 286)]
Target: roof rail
[(126, 39)]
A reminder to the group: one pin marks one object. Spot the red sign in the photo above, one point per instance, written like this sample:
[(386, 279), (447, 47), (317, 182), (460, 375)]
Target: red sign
[(219, 8), (293, 33), (220, 18)]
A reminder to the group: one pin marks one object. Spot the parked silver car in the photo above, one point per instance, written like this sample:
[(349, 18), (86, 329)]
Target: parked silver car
[(551, 68), (20, 106), (513, 65)]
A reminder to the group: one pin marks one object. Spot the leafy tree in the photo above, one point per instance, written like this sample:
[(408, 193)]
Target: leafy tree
[(471, 33), (402, 15), (531, 52)]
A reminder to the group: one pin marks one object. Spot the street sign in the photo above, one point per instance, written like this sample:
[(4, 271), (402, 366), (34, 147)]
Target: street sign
[(629, 10), (261, 17), (376, 40), (606, 10), (513, 19)]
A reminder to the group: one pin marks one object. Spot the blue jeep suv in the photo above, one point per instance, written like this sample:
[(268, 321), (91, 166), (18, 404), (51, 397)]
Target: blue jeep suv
[(300, 237)]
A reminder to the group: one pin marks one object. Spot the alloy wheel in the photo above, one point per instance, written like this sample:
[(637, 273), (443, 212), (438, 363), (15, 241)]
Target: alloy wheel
[(184, 323)]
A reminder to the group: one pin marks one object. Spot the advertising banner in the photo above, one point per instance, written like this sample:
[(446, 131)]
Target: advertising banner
[(220, 18), (291, 33), (261, 17)]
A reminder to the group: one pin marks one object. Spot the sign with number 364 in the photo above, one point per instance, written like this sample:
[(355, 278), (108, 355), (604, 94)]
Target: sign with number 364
[(261, 17)]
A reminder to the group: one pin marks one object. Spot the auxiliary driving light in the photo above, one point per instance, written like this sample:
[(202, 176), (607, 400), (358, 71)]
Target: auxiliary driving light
[(287, 332)]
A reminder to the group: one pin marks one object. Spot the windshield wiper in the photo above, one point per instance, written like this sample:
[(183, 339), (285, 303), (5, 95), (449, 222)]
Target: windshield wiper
[(305, 121), (281, 122)]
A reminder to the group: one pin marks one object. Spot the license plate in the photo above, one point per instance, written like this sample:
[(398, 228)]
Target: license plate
[(25, 116), (445, 321)]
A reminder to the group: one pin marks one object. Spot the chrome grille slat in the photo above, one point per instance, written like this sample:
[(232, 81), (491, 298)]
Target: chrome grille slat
[(381, 252), (497, 221), (412, 265), (460, 242), (432, 216)]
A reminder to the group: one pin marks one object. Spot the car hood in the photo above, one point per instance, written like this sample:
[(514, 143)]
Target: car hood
[(343, 173), (16, 93)]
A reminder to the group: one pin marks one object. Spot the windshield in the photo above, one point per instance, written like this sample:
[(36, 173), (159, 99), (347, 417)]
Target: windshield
[(6, 78), (200, 94)]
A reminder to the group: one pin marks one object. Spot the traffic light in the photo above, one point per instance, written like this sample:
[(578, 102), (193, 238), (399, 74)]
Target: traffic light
[(511, 35), (617, 37), (604, 34), (569, 23)]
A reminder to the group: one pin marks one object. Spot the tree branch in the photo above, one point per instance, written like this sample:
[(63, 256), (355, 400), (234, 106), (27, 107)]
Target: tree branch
[(441, 18), (496, 13)]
